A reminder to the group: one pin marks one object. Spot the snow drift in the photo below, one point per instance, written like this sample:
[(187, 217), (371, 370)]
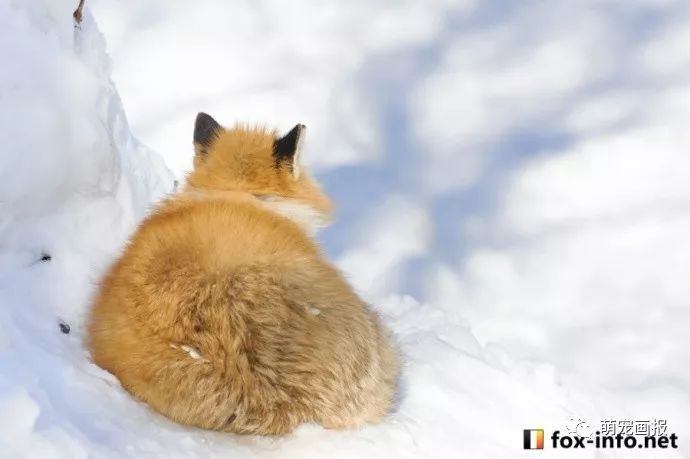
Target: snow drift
[(74, 183)]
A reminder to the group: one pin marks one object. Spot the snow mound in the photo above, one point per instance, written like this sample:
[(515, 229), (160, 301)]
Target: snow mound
[(74, 185)]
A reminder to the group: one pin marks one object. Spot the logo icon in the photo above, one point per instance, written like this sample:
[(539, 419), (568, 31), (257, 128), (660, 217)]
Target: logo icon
[(533, 439)]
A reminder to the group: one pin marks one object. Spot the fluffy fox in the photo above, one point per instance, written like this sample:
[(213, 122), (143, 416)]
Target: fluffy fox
[(222, 312)]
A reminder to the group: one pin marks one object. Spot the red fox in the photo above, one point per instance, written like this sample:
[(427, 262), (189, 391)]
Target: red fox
[(222, 313)]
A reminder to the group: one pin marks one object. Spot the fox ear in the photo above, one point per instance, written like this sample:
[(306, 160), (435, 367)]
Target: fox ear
[(206, 129), (288, 149)]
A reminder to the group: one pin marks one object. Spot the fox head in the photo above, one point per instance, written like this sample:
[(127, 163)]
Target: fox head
[(259, 163)]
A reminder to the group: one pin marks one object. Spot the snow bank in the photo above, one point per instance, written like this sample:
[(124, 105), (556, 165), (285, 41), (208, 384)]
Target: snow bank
[(74, 184)]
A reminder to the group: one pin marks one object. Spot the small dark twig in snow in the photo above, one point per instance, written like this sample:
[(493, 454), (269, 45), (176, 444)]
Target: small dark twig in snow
[(64, 328), (77, 13)]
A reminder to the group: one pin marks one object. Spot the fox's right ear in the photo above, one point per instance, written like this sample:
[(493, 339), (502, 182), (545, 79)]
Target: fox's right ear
[(206, 129), (288, 149)]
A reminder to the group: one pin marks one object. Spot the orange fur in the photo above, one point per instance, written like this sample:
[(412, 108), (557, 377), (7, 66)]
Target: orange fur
[(223, 314)]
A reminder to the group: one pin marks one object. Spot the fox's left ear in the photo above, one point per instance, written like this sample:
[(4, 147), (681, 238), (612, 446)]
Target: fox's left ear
[(288, 149), (206, 129)]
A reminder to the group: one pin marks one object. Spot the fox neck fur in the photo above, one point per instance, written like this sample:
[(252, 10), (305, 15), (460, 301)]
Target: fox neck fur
[(299, 212)]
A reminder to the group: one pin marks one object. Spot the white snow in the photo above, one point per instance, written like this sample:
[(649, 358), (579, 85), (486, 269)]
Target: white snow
[(513, 187)]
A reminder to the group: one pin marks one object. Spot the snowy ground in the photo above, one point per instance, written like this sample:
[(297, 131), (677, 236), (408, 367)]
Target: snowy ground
[(513, 191)]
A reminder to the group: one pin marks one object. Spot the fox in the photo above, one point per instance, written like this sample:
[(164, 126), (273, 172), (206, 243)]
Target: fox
[(222, 313)]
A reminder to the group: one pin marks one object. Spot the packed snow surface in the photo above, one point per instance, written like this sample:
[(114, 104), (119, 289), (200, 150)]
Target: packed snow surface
[(514, 192)]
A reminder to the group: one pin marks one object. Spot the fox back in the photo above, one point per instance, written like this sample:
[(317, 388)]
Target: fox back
[(222, 312)]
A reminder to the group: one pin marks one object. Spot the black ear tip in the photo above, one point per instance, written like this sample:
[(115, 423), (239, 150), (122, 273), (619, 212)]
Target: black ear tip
[(205, 129), (296, 132), (203, 118), (286, 147)]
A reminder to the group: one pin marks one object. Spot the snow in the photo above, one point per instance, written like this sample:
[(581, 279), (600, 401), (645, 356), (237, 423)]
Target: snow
[(512, 190)]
